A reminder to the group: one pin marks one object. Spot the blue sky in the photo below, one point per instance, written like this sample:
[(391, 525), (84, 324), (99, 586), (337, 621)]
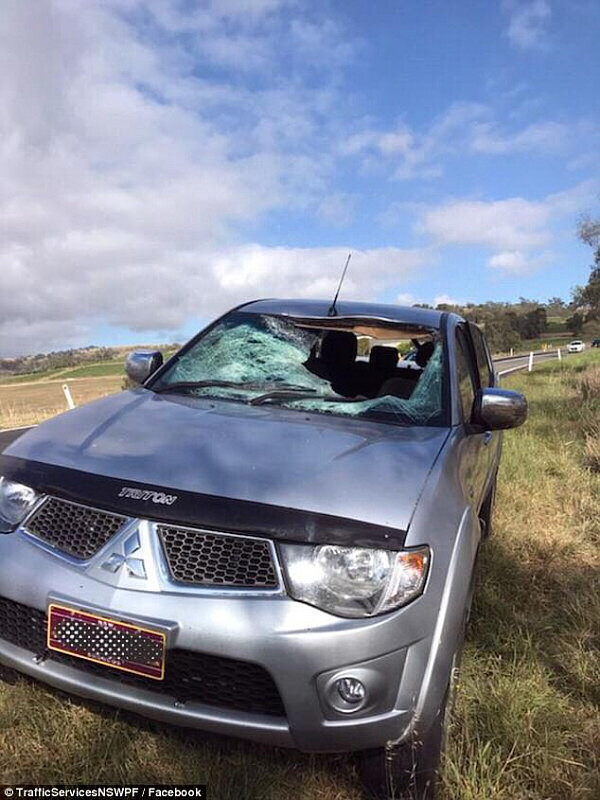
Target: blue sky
[(162, 161)]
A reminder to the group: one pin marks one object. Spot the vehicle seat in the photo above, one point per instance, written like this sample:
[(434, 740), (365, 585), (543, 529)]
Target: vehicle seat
[(339, 348), (397, 387), (338, 354), (382, 365)]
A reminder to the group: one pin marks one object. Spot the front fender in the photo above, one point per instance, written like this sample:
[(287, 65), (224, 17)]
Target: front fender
[(446, 520), (448, 631)]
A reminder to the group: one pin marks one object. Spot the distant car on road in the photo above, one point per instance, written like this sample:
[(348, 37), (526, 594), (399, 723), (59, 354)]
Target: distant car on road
[(576, 346), (596, 343), (268, 537), (409, 361)]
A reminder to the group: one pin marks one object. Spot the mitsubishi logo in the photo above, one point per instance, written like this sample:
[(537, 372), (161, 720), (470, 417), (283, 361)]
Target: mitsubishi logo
[(135, 566)]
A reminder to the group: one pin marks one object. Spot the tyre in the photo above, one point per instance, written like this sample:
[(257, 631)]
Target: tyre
[(410, 771), (486, 513)]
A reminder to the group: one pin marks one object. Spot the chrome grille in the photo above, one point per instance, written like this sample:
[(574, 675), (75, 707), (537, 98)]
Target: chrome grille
[(77, 530), (216, 559)]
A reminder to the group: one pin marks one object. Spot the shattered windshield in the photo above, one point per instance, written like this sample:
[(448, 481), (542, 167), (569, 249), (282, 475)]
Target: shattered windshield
[(341, 367)]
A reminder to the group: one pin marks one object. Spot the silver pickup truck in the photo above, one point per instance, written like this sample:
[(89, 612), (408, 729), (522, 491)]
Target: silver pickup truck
[(273, 536)]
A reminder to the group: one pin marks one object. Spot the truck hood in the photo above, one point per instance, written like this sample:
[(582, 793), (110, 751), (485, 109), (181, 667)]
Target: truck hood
[(344, 467)]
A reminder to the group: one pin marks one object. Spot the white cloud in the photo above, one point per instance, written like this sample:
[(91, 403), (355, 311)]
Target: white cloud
[(412, 154), (512, 224), (528, 23), (126, 173), (303, 271), (510, 261), (406, 299), (519, 232), (515, 262), (445, 299), (505, 225), (407, 154), (399, 141), (337, 209), (541, 137)]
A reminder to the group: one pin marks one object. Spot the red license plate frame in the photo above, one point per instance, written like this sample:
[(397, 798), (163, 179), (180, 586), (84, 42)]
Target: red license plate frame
[(104, 640)]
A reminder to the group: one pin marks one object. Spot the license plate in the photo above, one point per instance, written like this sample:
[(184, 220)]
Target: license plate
[(111, 642)]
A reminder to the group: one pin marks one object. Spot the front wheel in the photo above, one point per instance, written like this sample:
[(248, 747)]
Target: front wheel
[(410, 771), (486, 513)]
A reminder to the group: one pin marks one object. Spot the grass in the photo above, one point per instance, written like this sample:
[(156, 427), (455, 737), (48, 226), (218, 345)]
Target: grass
[(96, 370), (97, 745), (28, 377), (99, 369), (527, 722), (528, 716), (28, 404)]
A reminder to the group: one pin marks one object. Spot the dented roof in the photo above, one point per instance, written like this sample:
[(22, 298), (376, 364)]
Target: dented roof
[(318, 309)]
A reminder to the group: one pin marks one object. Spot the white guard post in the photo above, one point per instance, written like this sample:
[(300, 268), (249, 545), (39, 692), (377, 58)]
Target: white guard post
[(68, 397)]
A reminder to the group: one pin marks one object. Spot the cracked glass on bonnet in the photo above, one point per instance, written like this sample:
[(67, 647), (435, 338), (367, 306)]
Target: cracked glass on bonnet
[(347, 367)]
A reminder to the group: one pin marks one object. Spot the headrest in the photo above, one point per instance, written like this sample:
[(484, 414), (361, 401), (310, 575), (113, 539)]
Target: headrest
[(339, 347), (424, 353), (384, 358)]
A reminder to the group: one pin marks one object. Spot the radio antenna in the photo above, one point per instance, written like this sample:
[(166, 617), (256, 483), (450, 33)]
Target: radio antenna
[(332, 309)]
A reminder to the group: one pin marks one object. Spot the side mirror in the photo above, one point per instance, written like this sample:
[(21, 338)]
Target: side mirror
[(497, 409), (142, 363)]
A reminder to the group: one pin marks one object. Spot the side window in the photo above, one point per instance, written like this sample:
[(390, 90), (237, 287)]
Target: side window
[(466, 377), (486, 373)]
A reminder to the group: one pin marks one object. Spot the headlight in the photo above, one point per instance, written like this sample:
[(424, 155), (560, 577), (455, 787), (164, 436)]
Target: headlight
[(16, 501), (354, 581)]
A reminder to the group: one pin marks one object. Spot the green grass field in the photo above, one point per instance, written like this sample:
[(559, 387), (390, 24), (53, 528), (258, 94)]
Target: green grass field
[(31, 376), (104, 368), (527, 720), (96, 370), (100, 369)]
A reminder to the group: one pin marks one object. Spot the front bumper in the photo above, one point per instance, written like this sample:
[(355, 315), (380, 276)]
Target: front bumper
[(302, 648)]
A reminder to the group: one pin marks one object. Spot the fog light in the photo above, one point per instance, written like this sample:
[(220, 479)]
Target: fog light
[(351, 690)]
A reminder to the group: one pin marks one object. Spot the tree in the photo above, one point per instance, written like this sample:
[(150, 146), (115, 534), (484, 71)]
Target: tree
[(556, 305), (588, 296), (588, 230), (575, 323)]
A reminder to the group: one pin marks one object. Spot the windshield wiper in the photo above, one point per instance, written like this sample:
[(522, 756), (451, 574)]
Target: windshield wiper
[(182, 386), (283, 393), (302, 394), (271, 386), (277, 391)]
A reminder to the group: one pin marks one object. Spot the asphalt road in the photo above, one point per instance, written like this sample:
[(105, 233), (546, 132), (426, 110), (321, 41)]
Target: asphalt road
[(510, 363), (503, 365)]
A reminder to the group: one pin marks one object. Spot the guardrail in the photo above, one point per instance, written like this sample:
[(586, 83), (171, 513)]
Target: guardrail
[(495, 359), (527, 360)]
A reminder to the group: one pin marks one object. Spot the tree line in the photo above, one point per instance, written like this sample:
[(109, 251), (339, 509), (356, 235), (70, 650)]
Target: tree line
[(508, 325), (60, 359)]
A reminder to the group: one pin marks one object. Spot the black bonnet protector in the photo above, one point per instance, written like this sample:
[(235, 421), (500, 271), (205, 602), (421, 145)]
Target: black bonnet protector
[(197, 510)]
